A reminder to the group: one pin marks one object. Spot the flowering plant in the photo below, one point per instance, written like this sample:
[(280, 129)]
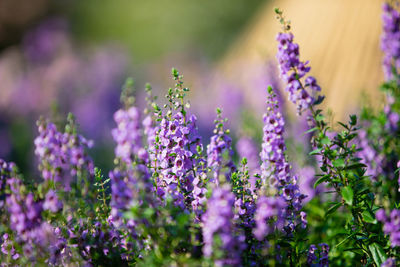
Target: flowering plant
[(170, 201)]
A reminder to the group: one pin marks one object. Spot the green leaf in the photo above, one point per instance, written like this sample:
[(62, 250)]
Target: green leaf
[(326, 141), (311, 130), (182, 219), (348, 194), (174, 72), (353, 120), (355, 166), (378, 254), (321, 180), (319, 117), (369, 217), (344, 240), (316, 151), (333, 208), (319, 100), (338, 163), (343, 125)]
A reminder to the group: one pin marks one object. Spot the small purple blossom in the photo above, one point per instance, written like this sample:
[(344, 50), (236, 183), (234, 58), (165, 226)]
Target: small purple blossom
[(324, 259), (318, 257), (311, 255), (390, 262), (52, 202)]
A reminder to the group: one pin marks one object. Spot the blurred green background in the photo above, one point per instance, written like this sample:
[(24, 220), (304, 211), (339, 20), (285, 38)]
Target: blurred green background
[(152, 28), (73, 56)]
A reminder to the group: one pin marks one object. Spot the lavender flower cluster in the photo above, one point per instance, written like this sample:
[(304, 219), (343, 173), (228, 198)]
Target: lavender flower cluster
[(391, 225), (390, 42), (293, 71), (159, 164), (170, 202), (276, 170), (218, 223), (318, 257), (62, 155)]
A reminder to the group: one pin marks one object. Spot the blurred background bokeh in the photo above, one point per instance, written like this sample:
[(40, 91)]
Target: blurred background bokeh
[(73, 56)]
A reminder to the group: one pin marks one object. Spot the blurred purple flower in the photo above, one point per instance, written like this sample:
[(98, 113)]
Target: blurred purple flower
[(218, 223), (391, 225), (52, 202), (390, 40)]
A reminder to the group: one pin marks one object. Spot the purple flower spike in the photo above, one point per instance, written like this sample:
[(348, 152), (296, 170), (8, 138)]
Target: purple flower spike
[(275, 169), (218, 223), (128, 134), (268, 208), (219, 151), (62, 155), (390, 40), (293, 72)]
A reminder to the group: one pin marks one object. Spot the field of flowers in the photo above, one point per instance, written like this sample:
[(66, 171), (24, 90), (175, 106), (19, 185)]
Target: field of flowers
[(174, 199)]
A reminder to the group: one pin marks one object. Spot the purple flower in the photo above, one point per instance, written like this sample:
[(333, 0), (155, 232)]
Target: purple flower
[(247, 148), (62, 155), (127, 135), (7, 170), (275, 169), (121, 194), (269, 209), (25, 212), (293, 71), (324, 260), (7, 247), (369, 156), (42, 44), (306, 182), (390, 262), (178, 140), (318, 257), (390, 40), (199, 194), (150, 131), (218, 223), (273, 146), (393, 118), (391, 225), (311, 255), (52, 202), (219, 151)]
